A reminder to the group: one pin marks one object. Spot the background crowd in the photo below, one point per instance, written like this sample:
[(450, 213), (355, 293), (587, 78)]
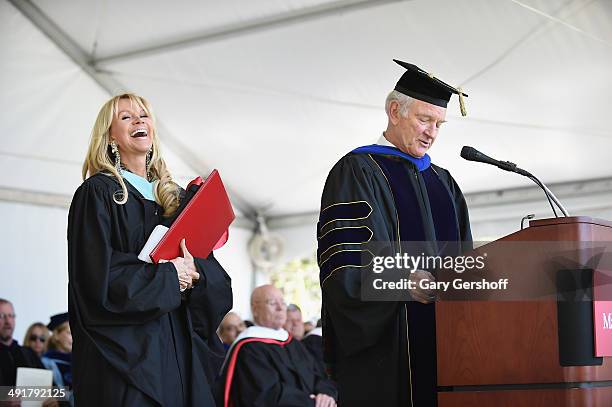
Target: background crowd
[(49, 345), (44, 346)]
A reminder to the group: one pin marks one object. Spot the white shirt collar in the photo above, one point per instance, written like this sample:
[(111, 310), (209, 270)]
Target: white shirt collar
[(316, 331), (257, 331), (382, 141)]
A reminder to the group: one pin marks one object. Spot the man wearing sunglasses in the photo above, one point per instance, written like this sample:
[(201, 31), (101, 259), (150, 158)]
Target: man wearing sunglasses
[(12, 355)]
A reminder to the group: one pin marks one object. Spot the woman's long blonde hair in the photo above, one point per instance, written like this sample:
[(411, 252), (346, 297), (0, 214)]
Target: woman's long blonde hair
[(100, 158), (26, 338)]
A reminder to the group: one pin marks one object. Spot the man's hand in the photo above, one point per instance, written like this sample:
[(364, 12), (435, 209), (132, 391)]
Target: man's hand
[(323, 400), (50, 402), (422, 295), (185, 268)]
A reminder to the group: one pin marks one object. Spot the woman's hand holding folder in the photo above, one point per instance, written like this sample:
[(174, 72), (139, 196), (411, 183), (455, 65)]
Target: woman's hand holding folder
[(185, 267)]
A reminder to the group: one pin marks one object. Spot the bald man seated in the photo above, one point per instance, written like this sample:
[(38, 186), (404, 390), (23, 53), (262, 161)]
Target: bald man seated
[(267, 367)]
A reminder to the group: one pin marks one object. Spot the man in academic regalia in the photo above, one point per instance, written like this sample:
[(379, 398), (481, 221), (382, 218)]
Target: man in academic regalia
[(383, 353), (267, 367)]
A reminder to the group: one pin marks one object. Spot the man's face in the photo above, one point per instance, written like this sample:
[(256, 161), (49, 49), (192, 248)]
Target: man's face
[(295, 324), (269, 308), (232, 325), (419, 129), (7, 322)]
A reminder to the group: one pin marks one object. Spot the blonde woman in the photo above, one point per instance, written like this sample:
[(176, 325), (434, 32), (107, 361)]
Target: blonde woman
[(137, 339), (35, 338)]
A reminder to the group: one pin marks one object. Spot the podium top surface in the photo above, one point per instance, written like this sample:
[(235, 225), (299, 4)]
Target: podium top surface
[(570, 219), (571, 228)]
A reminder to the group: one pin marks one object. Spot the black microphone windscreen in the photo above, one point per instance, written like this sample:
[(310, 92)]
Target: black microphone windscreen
[(469, 153)]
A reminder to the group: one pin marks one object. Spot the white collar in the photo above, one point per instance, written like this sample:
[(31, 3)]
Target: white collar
[(382, 141), (316, 331), (257, 331)]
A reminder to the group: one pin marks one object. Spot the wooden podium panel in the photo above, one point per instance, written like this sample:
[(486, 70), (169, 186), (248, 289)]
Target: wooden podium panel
[(596, 397), (507, 352), (519, 348)]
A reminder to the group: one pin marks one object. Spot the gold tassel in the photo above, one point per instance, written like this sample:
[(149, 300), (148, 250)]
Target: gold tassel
[(462, 102)]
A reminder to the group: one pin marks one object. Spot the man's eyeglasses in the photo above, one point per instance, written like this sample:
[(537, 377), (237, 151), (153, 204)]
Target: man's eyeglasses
[(272, 303), (40, 338), (7, 316)]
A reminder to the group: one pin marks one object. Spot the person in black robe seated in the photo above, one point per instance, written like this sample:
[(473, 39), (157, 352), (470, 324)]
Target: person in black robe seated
[(266, 367), (313, 341), (144, 334), (383, 352), (12, 355)]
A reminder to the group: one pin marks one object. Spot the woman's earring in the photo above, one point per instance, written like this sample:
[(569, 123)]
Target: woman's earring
[(148, 164), (115, 151)]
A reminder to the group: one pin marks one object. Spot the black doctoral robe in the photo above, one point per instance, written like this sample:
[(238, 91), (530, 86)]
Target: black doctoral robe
[(137, 340), (314, 343), (263, 372), (382, 353)]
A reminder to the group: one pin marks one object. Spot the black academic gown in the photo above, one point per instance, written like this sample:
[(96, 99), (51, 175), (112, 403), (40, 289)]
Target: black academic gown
[(314, 344), (137, 340), (382, 353), (269, 373), (14, 356)]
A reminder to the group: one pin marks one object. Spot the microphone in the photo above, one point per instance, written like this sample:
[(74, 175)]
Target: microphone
[(471, 154)]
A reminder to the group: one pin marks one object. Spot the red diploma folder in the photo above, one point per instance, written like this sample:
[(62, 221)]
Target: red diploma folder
[(203, 223)]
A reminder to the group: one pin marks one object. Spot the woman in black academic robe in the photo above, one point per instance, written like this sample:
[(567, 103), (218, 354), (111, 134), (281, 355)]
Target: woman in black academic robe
[(138, 340)]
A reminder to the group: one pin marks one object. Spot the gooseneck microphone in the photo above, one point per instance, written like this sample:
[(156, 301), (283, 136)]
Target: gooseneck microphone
[(471, 154)]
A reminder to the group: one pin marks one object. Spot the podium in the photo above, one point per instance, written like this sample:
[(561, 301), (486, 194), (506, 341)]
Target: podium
[(524, 353)]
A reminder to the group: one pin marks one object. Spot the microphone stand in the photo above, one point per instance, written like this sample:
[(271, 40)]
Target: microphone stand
[(549, 194)]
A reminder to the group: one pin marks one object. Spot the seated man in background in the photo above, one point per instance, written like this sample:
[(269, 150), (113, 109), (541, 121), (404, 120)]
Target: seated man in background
[(294, 324), (12, 355), (267, 367), (308, 326), (229, 329)]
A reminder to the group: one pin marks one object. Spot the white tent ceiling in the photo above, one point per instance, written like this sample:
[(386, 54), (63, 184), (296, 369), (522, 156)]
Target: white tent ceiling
[(272, 93)]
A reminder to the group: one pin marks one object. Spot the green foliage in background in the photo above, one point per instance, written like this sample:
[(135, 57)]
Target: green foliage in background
[(299, 281)]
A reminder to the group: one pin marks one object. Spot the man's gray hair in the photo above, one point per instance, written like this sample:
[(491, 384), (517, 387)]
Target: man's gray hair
[(403, 100), (293, 307)]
